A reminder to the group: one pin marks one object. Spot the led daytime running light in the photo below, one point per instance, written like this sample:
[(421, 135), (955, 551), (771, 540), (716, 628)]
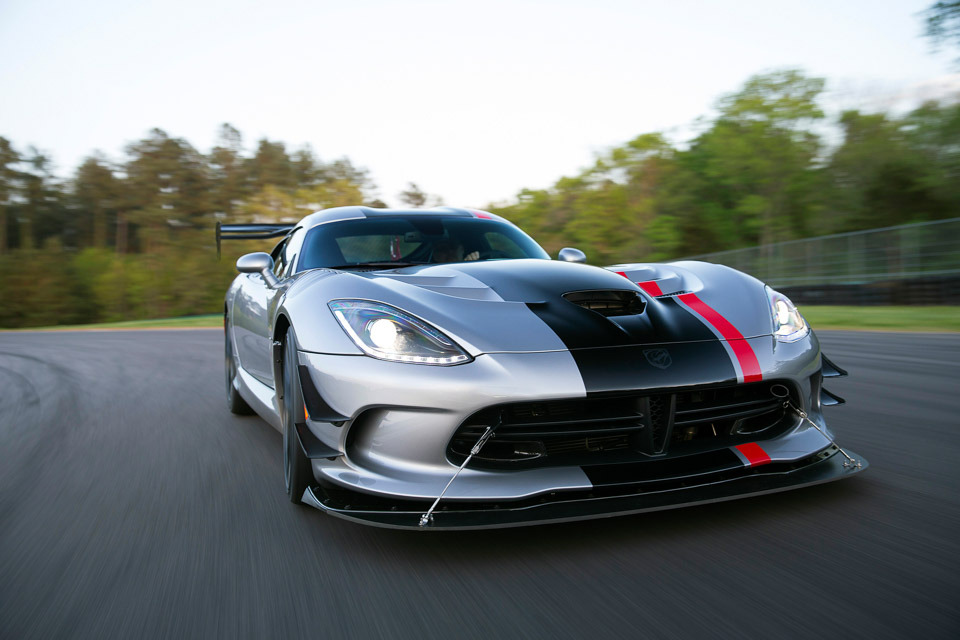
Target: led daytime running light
[(387, 333), (788, 324)]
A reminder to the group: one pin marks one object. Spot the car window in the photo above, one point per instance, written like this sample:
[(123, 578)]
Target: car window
[(279, 259), (414, 239), (378, 247), (292, 250), (501, 244)]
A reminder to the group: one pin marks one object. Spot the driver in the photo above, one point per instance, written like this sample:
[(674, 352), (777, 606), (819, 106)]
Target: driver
[(450, 250)]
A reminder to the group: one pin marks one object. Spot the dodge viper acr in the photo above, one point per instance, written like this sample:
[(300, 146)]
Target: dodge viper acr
[(436, 369)]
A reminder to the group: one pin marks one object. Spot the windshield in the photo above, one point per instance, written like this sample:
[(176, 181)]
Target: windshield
[(414, 240)]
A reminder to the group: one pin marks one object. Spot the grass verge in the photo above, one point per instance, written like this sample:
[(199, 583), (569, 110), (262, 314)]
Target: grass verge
[(819, 317), (189, 322), (883, 318)]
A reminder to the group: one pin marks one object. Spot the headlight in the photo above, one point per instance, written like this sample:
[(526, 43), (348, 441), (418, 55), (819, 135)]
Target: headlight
[(788, 324), (385, 332)]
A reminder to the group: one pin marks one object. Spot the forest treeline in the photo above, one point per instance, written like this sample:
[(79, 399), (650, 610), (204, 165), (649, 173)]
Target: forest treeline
[(132, 238), (768, 167)]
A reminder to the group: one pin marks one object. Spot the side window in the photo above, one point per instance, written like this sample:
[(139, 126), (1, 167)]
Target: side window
[(278, 255), (292, 251)]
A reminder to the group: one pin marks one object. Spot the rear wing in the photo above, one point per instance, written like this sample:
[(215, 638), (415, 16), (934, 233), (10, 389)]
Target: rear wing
[(250, 232)]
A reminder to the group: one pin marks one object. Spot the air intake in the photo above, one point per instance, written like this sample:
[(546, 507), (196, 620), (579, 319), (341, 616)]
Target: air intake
[(608, 302)]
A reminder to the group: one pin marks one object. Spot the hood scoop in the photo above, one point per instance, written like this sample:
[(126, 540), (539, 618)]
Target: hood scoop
[(608, 302)]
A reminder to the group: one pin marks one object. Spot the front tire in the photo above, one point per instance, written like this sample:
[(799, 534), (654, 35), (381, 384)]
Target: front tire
[(297, 471)]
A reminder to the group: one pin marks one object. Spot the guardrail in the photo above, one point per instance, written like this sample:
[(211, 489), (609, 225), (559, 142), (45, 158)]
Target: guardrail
[(906, 264)]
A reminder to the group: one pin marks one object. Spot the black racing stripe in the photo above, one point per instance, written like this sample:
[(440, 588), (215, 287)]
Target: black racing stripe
[(541, 285), (654, 366), (679, 322), (581, 328), (613, 353), (663, 469), (661, 321)]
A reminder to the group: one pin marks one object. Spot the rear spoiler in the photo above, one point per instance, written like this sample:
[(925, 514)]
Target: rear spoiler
[(250, 232)]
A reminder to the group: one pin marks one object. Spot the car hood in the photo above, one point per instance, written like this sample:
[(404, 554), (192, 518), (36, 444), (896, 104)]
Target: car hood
[(519, 305)]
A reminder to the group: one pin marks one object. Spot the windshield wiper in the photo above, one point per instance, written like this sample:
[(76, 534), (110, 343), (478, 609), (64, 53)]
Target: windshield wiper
[(367, 265)]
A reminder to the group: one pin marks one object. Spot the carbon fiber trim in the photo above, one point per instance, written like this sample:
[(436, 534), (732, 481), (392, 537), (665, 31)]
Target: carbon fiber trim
[(317, 407), (571, 506)]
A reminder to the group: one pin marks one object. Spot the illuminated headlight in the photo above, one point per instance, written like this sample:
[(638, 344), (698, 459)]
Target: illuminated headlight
[(788, 324), (385, 332)]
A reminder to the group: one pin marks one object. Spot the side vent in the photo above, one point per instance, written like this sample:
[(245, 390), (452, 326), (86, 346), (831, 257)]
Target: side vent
[(831, 370), (828, 399), (317, 407), (608, 303)]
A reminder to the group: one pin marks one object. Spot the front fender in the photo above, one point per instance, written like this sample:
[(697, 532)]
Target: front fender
[(304, 307), (737, 296)]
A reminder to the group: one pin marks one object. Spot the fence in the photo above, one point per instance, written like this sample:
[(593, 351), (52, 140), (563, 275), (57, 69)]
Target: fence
[(906, 264)]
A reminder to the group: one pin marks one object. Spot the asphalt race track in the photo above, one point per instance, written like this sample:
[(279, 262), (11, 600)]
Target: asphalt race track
[(133, 505)]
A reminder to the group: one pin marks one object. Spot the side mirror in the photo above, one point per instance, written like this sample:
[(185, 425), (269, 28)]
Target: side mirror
[(569, 254), (258, 262)]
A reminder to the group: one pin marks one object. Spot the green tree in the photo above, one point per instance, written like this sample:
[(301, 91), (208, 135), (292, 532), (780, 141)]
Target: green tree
[(606, 209), (413, 196), (530, 213), (97, 194), (166, 181), (343, 169), (892, 171), (227, 171), (308, 171), (756, 159), (752, 176), (271, 165), (272, 204), (933, 131), (41, 213), (943, 23), (9, 179)]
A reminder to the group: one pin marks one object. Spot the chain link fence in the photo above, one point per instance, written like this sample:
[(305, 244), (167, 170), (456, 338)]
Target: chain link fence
[(906, 264)]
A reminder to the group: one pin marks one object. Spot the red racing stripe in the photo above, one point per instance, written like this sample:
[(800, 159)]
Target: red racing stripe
[(754, 454), (741, 348), (621, 273), (650, 287), (483, 214)]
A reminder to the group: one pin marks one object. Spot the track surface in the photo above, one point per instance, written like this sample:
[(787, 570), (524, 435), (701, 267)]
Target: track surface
[(133, 505)]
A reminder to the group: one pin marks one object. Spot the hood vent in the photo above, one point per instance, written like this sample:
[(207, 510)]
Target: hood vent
[(615, 302)]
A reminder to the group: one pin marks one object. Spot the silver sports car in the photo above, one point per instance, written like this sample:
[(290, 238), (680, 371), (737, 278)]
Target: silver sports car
[(435, 369)]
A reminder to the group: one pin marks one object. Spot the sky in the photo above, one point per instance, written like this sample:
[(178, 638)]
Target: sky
[(471, 101)]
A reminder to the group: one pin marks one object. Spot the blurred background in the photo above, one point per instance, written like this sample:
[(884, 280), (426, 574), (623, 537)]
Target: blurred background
[(816, 147)]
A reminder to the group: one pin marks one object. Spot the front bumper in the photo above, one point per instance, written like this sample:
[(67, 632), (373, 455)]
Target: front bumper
[(390, 456), (401, 419), (598, 502)]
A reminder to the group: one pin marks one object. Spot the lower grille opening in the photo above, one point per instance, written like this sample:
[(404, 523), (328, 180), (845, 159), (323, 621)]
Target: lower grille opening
[(624, 427)]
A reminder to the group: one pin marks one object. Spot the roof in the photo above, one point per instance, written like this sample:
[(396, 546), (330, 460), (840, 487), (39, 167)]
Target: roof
[(357, 212)]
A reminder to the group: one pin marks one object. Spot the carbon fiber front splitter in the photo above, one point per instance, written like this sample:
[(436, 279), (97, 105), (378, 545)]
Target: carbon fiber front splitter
[(580, 505)]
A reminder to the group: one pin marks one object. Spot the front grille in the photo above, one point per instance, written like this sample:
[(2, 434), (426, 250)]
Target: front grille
[(623, 427), (660, 408)]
